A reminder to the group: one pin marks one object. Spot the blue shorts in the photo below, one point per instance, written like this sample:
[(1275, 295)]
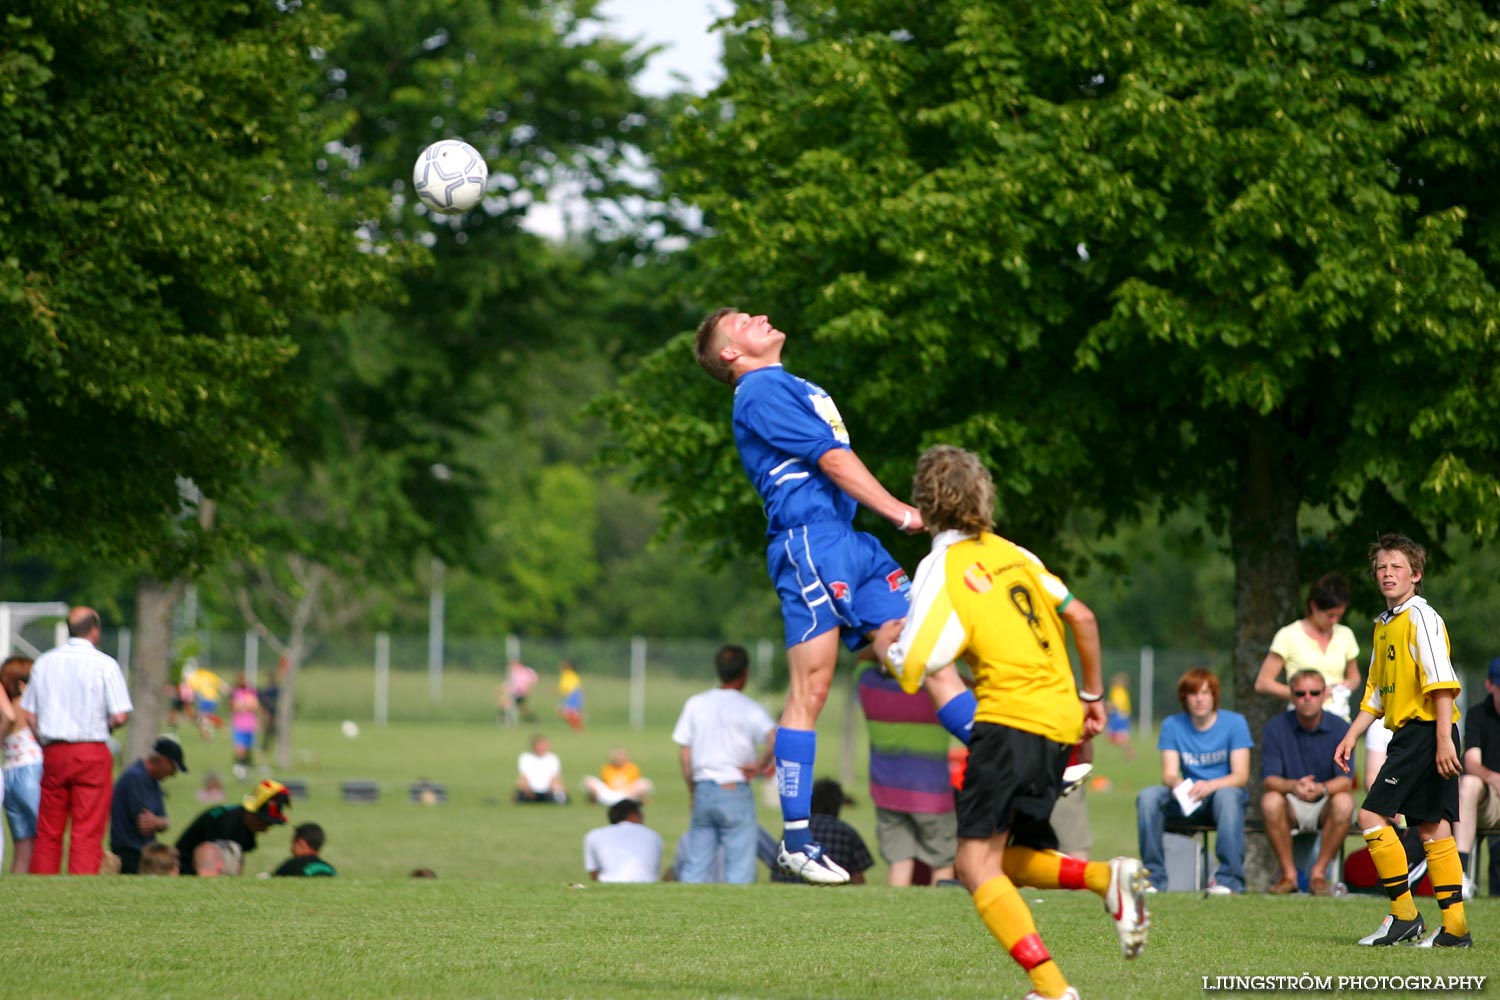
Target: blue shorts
[(243, 740), (831, 576), (23, 796)]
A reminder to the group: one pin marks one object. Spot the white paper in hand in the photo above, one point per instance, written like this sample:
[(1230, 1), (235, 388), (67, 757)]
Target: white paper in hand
[(1186, 802)]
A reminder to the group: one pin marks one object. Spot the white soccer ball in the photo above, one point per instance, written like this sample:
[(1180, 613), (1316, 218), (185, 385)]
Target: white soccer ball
[(450, 176), (350, 728)]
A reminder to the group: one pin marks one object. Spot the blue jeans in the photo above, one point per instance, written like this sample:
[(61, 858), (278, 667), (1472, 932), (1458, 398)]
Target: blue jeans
[(723, 819), (23, 796), (1225, 808)]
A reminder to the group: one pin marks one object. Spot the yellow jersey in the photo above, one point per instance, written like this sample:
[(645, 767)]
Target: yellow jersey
[(991, 603), (1409, 659)]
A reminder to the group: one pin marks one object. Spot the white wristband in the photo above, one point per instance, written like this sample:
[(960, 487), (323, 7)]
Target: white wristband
[(905, 520), (1086, 696)]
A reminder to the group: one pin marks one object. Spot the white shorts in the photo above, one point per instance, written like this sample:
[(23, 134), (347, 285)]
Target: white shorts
[(1307, 817), (1377, 737)]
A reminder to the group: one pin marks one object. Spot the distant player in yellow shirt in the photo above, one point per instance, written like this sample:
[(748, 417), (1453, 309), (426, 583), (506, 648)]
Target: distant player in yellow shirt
[(1411, 684), (982, 599)]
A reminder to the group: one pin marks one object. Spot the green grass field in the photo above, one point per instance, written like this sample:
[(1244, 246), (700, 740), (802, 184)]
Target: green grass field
[(501, 920)]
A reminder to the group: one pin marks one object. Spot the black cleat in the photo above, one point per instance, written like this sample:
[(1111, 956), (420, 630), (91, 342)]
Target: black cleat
[(1442, 939), (1396, 931)]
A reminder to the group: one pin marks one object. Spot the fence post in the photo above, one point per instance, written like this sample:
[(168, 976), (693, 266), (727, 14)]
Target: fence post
[(763, 653), (252, 657), (435, 614), (1148, 685), (382, 678), (637, 682)]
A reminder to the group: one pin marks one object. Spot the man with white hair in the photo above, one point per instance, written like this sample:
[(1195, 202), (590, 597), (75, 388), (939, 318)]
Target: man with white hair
[(76, 697)]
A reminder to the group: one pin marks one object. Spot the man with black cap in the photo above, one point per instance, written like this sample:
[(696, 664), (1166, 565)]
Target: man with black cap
[(138, 813), (262, 809)]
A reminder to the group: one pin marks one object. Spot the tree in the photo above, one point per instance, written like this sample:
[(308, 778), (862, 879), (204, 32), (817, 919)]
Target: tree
[(159, 250), (376, 476), (1236, 255), (156, 252)]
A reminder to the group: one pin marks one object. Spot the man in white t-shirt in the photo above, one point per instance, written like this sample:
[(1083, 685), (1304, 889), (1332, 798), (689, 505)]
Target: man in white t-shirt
[(76, 698), (540, 778), (625, 851), (724, 739)]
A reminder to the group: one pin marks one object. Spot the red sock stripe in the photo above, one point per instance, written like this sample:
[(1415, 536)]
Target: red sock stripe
[(1070, 874), (1029, 952)]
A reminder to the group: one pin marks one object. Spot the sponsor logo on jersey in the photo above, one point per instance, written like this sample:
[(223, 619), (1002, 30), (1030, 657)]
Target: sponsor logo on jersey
[(977, 579), (897, 580)]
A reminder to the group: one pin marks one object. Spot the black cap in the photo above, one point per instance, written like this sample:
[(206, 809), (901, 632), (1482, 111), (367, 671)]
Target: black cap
[(172, 750)]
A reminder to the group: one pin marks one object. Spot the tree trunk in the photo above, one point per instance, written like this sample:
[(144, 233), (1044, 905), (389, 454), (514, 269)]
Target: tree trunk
[(151, 660), (1263, 539), (285, 712)]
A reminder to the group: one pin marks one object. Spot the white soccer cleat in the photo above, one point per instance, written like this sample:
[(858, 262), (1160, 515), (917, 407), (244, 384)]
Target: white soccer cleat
[(1074, 775), (1125, 902), (1070, 994), (811, 865)]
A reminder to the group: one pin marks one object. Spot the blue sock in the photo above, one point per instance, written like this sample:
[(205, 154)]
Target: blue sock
[(796, 749), (958, 715)]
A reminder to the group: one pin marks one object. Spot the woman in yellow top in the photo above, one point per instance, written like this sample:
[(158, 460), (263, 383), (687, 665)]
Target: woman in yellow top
[(1318, 642)]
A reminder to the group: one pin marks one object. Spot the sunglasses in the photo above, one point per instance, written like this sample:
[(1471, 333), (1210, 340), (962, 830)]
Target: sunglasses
[(1309, 694)]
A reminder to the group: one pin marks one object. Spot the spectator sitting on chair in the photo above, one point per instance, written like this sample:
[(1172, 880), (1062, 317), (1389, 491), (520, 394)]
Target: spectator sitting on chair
[(1209, 747), (307, 841), (540, 778), (1479, 785), (1304, 792), (625, 851), (839, 840)]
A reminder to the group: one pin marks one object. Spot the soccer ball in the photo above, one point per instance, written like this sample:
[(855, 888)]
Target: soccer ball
[(450, 176), (350, 728)]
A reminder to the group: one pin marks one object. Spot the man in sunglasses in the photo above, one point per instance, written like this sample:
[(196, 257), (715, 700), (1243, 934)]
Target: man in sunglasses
[(1304, 791)]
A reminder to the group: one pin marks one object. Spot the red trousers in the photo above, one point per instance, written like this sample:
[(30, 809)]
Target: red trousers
[(77, 779)]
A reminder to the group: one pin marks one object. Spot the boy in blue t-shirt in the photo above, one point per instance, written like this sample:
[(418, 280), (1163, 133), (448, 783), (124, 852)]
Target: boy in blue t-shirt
[(1209, 747), (833, 582)]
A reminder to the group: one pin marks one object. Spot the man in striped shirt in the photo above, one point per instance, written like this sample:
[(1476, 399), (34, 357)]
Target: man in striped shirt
[(909, 780), (77, 695)]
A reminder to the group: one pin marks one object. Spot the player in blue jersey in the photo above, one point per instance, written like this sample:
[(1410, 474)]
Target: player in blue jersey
[(834, 582)]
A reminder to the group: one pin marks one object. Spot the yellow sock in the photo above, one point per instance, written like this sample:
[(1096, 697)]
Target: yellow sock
[(1447, 883), (1390, 864), (1004, 912), (1054, 870)]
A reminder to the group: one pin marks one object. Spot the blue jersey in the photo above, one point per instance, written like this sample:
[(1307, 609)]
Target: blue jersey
[(782, 426)]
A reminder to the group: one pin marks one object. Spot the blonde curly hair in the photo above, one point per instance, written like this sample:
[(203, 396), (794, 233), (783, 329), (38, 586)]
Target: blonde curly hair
[(954, 491)]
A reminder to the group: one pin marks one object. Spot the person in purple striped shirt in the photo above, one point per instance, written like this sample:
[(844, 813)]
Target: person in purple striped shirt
[(909, 782)]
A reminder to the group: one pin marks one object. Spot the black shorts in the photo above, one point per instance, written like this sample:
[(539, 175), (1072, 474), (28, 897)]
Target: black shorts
[(1409, 783), (1011, 784)]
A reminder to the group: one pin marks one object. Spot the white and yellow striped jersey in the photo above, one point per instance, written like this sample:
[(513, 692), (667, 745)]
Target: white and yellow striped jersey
[(1409, 659), (991, 603)]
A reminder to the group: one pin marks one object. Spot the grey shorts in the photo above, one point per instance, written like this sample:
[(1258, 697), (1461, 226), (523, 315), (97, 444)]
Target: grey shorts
[(1070, 821), (931, 838)]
